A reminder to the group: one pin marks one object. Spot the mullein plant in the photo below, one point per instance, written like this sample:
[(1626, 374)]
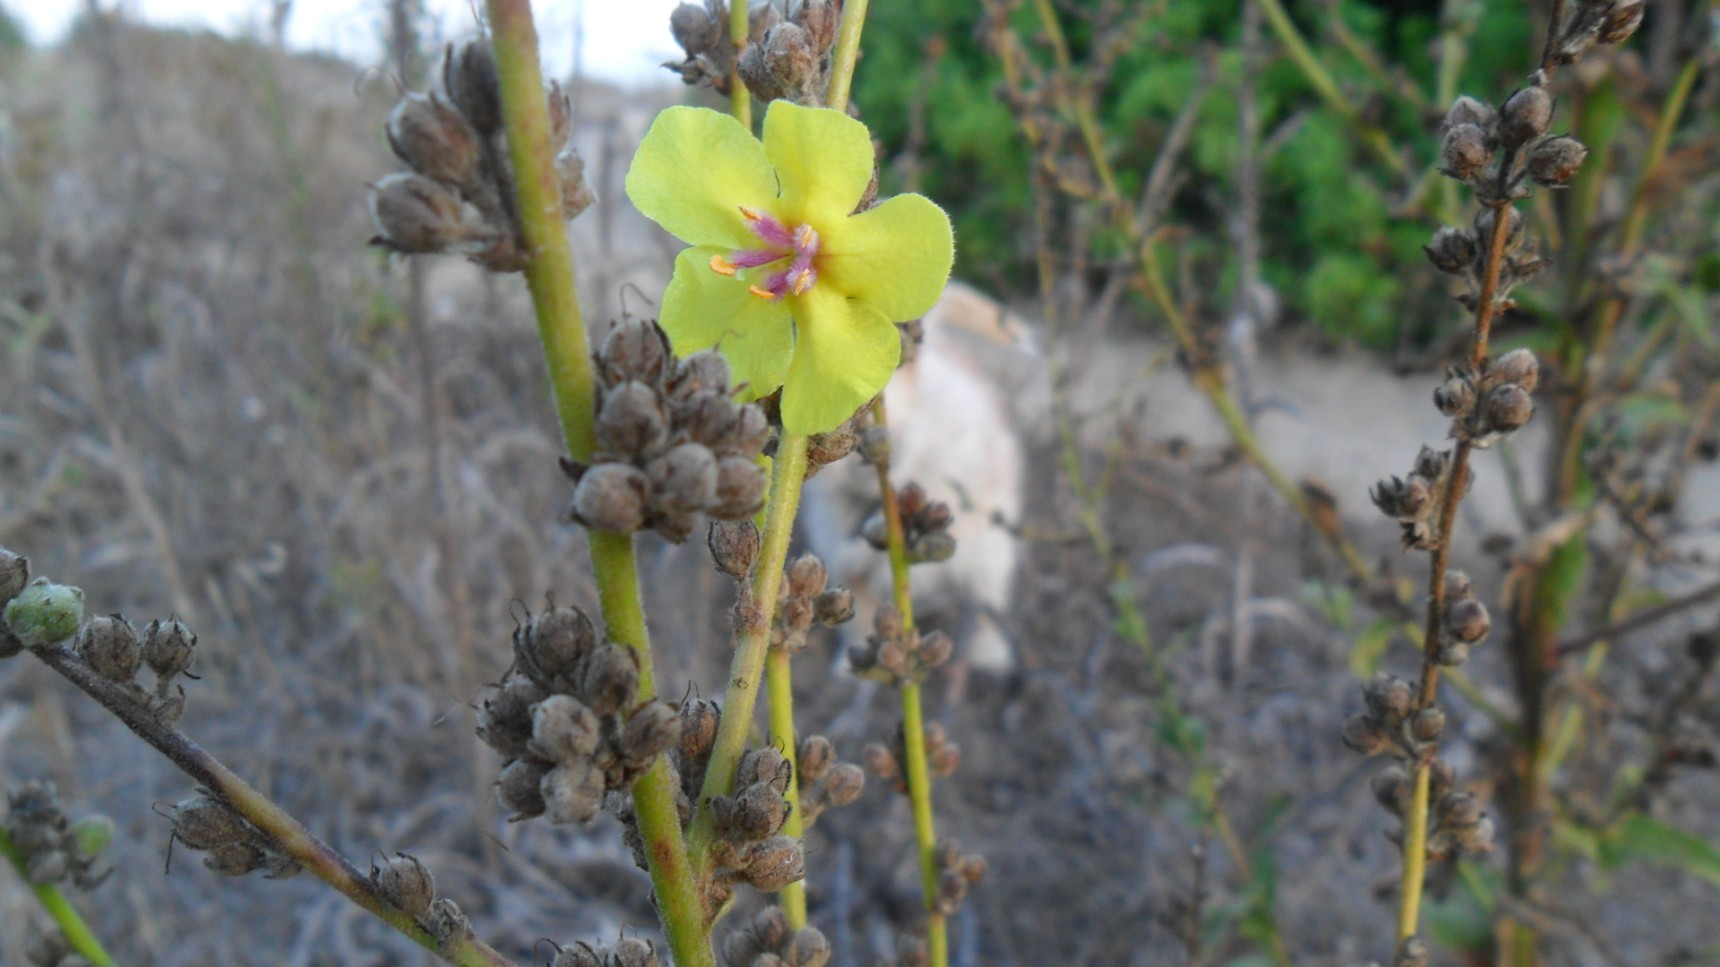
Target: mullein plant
[(1501, 153), (780, 323)]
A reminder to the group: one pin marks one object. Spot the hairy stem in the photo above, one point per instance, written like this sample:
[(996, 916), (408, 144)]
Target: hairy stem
[(913, 715), (846, 55), (53, 900), (282, 829), (740, 101), (549, 275), (779, 682)]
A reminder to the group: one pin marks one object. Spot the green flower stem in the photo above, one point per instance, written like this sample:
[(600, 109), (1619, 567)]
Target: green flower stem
[(53, 900), (779, 681), (549, 275), (741, 697), (913, 715), (1323, 84), (847, 54), (740, 101), (282, 829)]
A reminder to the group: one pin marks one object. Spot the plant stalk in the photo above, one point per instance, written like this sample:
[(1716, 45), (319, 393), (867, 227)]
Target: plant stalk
[(550, 277), (65, 916)]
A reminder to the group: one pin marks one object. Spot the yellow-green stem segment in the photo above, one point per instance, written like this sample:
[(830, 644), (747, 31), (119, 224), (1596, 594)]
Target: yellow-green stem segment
[(913, 717), (53, 900), (1414, 860), (788, 472), (847, 54), (549, 275), (740, 102), (779, 680)]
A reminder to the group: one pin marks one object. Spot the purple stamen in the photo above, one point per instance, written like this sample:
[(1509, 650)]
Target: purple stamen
[(801, 244)]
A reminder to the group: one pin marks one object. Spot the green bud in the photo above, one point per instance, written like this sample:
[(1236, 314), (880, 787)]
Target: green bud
[(93, 834), (45, 613)]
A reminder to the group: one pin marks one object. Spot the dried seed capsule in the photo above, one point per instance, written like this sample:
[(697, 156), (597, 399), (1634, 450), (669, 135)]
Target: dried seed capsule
[(505, 719), (694, 28), (576, 195), (770, 926), (703, 372), (734, 544), (564, 730), (684, 480), (1468, 110), (631, 422), (776, 863), (1458, 585), (611, 677), (881, 762), (1388, 697), (415, 215), (931, 548), (433, 139), (806, 576), (784, 64), (763, 765), (1362, 734), (447, 922), (1554, 161), (469, 75), (14, 574), (1517, 366), (110, 647), (168, 647), (406, 883), (1622, 21), (816, 756), (808, 949), (1464, 152), (1509, 407), (699, 720), (611, 497), (236, 859), (1487, 217), (741, 487), (632, 952), (552, 645), (45, 613), (1456, 396), (517, 788), (1452, 250), (204, 823), (935, 649), (1458, 810), (835, 606), (1427, 724), (652, 729), (572, 792), (1467, 620), (1391, 787), (844, 785), (740, 947), (635, 349), (1525, 116)]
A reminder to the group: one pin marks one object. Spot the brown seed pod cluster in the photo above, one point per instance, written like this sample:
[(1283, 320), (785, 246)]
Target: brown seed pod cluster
[(1390, 722), (407, 884), (1414, 501), (51, 847), (1465, 623), (1486, 405), (703, 33), (750, 844), (113, 650), (672, 444), (232, 846), (791, 60), (825, 782), (769, 941), (956, 872), (627, 952), (566, 721), (458, 197), (896, 653), (889, 762), (805, 600), (925, 526)]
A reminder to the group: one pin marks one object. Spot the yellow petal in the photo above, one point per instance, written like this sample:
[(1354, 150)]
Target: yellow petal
[(844, 353), (823, 160), (702, 308), (692, 173), (895, 257)]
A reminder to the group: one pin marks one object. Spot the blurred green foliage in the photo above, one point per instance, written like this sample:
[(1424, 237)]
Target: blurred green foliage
[(12, 37), (1335, 245)]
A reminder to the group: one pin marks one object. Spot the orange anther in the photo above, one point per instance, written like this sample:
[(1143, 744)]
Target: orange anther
[(722, 266)]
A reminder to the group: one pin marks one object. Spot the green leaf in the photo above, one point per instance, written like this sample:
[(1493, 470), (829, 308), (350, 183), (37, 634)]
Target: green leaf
[(1642, 837), (1370, 647)]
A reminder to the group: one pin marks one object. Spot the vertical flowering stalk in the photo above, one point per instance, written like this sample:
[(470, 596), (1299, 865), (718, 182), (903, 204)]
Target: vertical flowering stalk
[(549, 273)]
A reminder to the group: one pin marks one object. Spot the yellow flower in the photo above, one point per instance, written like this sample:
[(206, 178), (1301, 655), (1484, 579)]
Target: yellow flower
[(792, 286)]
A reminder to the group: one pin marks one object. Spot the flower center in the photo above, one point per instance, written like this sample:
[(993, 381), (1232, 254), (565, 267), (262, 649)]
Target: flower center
[(798, 245)]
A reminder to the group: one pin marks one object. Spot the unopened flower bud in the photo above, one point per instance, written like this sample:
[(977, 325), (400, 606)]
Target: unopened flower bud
[(433, 139), (45, 613), (1509, 407), (469, 75), (1555, 161), (168, 647), (1452, 250), (1525, 116), (1464, 152), (110, 647), (611, 497), (406, 883)]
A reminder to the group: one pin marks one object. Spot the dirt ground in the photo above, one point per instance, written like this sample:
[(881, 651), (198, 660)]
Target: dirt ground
[(211, 407)]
